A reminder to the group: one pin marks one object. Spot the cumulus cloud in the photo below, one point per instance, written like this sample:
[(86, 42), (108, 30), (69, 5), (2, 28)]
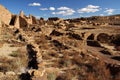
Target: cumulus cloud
[(65, 11), (34, 4), (109, 11), (63, 8), (92, 6), (43, 9), (60, 12), (52, 8), (89, 9)]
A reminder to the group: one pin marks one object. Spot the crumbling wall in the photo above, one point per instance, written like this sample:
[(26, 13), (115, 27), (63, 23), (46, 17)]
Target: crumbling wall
[(17, 23), (23, 23), (0, 24), (34, 20), (21, 14), (5, 15), (29, 20), (12, 21)]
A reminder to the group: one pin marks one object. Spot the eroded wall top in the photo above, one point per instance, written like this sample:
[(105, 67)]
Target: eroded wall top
[(5, 15)]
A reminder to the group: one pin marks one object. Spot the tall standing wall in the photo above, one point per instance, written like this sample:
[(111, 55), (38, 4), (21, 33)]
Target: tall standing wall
[(5, 15)]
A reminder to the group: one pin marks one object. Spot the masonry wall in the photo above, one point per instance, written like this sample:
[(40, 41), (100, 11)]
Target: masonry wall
[(17, 22), (29, 20), (23, 23), (34, 21), (5, 15), (0, 24)]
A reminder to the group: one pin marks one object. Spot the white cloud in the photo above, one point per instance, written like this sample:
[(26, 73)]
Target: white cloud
[(60, 12), (89, 9), (92, 7), (53, 12), (63, 8), (101, 14), (65, 11), (38, 17), (52, 8), (43, 9), (34, 4), (109, 11)]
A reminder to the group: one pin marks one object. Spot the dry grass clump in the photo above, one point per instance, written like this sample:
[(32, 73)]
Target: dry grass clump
[(4, 63), (14, 62), (91, 68), (14, 54), (1, 44), (6, 33), (51, 76), (9, 77), (87, 68), (42, 41), (11, 64)]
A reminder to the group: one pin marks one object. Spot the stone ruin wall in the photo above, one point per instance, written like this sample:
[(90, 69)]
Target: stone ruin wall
[(5, 15)]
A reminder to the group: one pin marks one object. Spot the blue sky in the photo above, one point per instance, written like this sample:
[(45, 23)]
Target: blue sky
[(63, 8)]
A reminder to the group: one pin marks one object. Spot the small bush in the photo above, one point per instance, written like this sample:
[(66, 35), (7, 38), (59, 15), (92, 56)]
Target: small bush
[(51, 76), (14, 54)]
